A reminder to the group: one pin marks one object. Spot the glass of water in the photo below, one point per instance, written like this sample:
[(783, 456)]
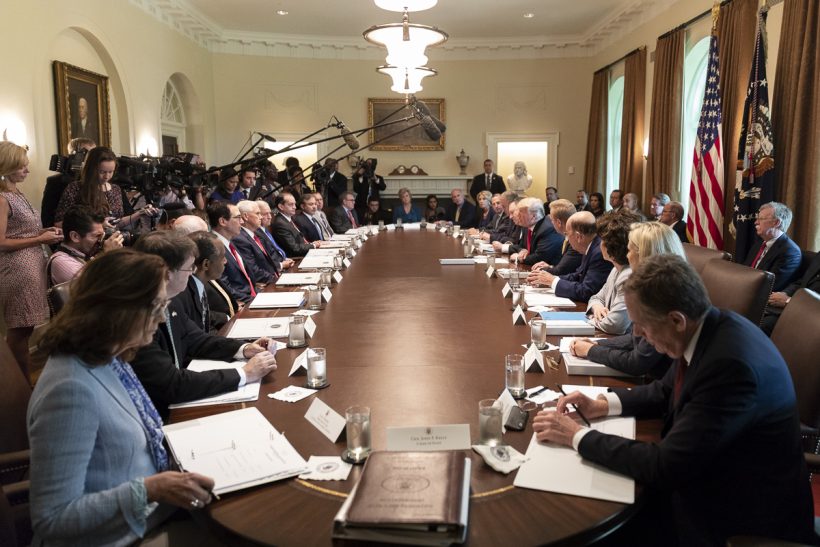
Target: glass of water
[(538, 333), (357, 431), (314, 297), (296, 332), (489, 422), (514, 375), (317, 368)]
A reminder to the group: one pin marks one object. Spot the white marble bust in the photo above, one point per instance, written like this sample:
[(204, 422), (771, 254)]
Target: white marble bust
[(519, 181)]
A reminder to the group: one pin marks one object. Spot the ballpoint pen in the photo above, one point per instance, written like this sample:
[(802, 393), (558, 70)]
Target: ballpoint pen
[(578, 410)]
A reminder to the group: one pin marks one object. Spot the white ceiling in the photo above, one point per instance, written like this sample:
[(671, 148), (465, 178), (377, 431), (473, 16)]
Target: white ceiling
[(477, 28)]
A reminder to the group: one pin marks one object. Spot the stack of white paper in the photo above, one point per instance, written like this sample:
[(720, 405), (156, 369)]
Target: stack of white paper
[(344, 237), (315, 262), (278, 300), (335, 244), (579, 365), (561, 469), (323, 251), (251, 329), (298, 278), (236, 449), (545, 299), (247, 393)]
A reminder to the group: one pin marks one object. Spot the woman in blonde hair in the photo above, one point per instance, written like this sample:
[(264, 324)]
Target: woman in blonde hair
[(22, 258), (629, 353)]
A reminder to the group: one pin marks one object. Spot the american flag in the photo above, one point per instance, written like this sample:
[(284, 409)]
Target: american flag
[(705, 221)]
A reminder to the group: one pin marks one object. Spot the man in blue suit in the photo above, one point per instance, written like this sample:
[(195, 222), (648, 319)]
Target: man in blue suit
[(261, 259), (305, 220), (591, 275), (776, 253), (539, 240), (226, 222), (730, 460)]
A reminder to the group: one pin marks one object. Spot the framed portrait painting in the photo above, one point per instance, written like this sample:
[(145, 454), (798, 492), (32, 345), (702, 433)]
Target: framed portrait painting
[(406, 135), (83, 110)]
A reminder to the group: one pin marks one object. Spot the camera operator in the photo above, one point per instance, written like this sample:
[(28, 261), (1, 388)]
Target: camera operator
[(82, 239), (95, 190), (367, 184), (68, 167), (284, 174), (329, 182)]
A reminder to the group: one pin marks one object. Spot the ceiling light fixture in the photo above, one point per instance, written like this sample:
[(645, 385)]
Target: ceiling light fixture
[(529, 15), (405, 5), (406, 80), (281, 12)]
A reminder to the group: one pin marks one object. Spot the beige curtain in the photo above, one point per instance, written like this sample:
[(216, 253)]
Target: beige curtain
[(663, 164), (632, 126), (595, 168), (736, 29), (796, 119)]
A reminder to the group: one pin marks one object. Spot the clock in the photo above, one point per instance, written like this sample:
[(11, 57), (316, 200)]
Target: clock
[(414, 169), (401, 169)]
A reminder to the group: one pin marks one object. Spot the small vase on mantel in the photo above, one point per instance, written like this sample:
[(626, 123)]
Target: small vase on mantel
[(463, 159)]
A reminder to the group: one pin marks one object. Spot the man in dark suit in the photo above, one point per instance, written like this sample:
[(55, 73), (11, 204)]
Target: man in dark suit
[(672, 216), (56, 184), (367, 184), (336, 183), (261, 260), (305, 220), (226, 223), (247, 183), (560, 212), (540, 242), (777, 253), (285, 232), (374, 213), (344, 217), (161, 365), (504, 242), (779, 300), (460, 211), (591, 275), (730, 461), (487, 180), (196, 300)]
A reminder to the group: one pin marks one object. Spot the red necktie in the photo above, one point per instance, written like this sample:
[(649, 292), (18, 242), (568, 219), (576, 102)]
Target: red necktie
[(352, 220), (529, 238), (759, 255), (295, 227), (242, 268), (680, 373), (259, 243)]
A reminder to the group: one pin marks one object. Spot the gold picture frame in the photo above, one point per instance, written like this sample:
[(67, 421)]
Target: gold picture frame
[(82, 105), (406, 136)]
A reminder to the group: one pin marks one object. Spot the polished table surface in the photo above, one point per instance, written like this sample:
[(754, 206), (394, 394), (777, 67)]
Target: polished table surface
[(420, 344)]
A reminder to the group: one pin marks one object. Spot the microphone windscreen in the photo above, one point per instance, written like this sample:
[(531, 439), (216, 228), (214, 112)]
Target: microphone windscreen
[(349, 138), (430, 128)]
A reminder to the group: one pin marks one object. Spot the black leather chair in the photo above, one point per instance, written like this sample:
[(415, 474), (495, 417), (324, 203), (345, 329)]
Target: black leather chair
[(738, 288), (698, 256)]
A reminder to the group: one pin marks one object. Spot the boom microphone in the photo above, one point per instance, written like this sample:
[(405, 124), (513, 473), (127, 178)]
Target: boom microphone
[(430, 127), (350, 139), (422, 112), (266, 137)]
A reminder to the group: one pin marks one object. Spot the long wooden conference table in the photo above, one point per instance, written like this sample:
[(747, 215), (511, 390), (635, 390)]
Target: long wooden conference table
[(420, 344)]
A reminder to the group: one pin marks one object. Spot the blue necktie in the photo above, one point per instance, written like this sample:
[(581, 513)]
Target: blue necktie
[(275, 246)]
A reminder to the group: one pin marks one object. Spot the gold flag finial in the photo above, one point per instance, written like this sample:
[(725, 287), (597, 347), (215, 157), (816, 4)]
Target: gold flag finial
[(715, 14)]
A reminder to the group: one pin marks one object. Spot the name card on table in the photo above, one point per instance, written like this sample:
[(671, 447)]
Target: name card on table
[(490, 272), (329, 422), (310, 326), (346, 262), (429, 438), (337, 276), (507, 403), (326, 296), (506, 292), (299, 364), (442, 229), (518, 316), (533, 359)]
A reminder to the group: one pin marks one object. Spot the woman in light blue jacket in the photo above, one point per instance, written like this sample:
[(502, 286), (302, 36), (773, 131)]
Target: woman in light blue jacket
[(99, 471)]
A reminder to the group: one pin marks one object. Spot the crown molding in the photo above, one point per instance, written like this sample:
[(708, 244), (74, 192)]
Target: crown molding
[(185, 19)]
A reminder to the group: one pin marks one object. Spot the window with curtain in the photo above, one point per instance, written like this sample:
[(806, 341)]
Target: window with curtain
[(694, 84), (613, 134)]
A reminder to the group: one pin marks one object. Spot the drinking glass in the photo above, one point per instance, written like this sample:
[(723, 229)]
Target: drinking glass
[(538, 333), (491, 261), (314, 299), (489, 422), (514, 375), (317, 368), (296, 332), (398, 224), (357, 431)]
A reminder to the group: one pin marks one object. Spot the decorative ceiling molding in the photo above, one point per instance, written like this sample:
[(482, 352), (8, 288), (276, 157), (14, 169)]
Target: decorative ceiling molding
[(185, 19)]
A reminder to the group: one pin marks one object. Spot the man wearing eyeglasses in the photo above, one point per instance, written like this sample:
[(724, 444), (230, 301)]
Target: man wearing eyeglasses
[(161, 366)]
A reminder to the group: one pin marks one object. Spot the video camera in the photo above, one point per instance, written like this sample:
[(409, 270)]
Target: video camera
[(150, 175), (68, 165)]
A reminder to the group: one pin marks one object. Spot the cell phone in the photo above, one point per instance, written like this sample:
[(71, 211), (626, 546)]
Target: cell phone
[(517, 420)]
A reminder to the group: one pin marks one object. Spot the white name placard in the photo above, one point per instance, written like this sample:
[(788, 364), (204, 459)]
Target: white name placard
[(429, 438), (325, 419)]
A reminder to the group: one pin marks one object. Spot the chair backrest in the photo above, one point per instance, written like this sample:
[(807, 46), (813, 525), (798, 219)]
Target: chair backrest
[(797, 336), (738, 288), (807, 258), (57, 297), (15, 392), (698, 256)]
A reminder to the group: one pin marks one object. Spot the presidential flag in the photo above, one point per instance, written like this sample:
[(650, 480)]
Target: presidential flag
[(754, 180), (705, 220)]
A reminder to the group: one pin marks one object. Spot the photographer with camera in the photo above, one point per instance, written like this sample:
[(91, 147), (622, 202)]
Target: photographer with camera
[(67, 168), (367, 184), (95, 190), (329, 182), (83, 235)]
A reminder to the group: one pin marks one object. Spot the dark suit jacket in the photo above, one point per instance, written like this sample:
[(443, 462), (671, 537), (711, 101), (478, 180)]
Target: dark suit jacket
[(680, 229), (164, 382), (809, 280), (189, 302), (339, 221), (467, 218), (497, 185), (782, 259), (288, 237), (588, 278), (545, 245), (223, 305), (730, 456), (53, 191), (364, 189), (570, 261), (631, 354), (374, 218), (306, 226), (262, 268), (336, 185), (233, 280)]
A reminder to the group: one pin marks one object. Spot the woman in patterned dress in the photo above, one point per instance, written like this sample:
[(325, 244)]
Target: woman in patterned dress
[(22, 259)]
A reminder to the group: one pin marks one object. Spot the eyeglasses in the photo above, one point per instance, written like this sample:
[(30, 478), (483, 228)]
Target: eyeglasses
[(191, 270)]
